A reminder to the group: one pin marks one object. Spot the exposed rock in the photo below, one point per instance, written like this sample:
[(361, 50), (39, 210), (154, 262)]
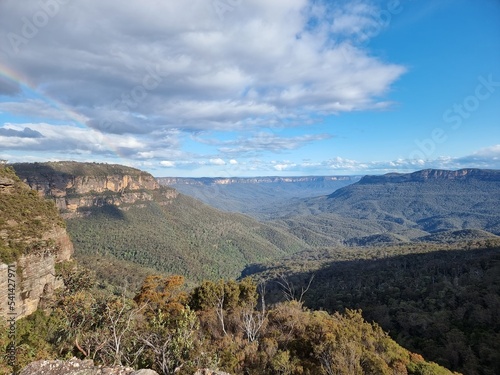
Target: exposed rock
[(76, 186), (145, 372), (434, 174), (206, 371), (63, 178), (6, 184), (38, 233), (35, 278), (247, 180), (75, 366)]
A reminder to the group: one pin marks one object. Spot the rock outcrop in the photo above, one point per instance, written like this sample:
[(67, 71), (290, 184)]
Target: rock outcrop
[(206, 371), (75, 366), (247, 180), (6, 185), (75, 187), (33, 239), (58, 179), (434, 174), (36, 278)]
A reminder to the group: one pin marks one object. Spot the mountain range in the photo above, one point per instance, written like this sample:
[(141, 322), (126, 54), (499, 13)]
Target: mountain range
[(126, 216), (121, 216), (56, 310), (260, 197), (399, 208), (417, 252)]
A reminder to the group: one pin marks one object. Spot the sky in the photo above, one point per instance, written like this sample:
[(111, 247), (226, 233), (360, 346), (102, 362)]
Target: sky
[(207, 88)]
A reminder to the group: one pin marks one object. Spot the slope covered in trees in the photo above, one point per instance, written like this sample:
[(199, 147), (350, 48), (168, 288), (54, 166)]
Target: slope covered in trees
[(179, 235), (120, 215), (442, 301), (260, 197), (218, 325), (25, 218), (407, 205)]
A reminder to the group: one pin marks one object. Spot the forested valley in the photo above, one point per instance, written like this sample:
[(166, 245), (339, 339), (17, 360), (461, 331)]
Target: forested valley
[(362, 281)]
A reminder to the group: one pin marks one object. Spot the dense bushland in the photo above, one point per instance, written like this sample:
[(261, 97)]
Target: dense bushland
[(442, 301), (220, 324)]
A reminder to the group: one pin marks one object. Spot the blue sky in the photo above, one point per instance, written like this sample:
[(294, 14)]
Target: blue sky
[(252, 87)]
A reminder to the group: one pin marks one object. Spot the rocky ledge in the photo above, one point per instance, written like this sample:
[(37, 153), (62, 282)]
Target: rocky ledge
[(75, 186), (76, 366)]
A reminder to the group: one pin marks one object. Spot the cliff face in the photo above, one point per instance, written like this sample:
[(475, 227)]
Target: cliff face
[(59, 184), (33, 239), (249, 180), (74, 186), (434, 174)]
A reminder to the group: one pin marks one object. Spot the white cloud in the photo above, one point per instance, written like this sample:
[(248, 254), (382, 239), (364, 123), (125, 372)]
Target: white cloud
[(262, 141), (41, 109), (156, 64), (158, 73), (282, 167), (489, 152), (73, 139), (217, 161), (167, 163)]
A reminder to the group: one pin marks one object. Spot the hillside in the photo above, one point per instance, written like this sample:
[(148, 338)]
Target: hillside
[(410, 206), (75, 186), (218, 325), (260, 197), (32, 240), (441, 301), (120, 214)]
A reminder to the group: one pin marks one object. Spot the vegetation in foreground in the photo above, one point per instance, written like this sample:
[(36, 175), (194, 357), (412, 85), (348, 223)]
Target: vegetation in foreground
[(217, 325)]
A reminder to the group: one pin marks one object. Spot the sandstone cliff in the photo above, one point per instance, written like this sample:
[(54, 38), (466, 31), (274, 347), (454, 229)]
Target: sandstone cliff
[(434, 174), (76, 186), (33, 239), (248, 180)]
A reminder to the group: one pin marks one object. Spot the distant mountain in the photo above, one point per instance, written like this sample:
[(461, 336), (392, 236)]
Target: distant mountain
[(261, 197), (120, 215), (435, 174), (249, 180), (408, 205)]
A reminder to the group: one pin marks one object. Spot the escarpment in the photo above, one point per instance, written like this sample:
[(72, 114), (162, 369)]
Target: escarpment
[(76, 187), (33, 239)]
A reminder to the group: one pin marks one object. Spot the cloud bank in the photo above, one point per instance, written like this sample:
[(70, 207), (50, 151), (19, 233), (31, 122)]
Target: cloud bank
[(156, 83)]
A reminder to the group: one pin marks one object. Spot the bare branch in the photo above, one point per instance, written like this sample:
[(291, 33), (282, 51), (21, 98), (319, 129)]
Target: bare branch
[(304, 291)]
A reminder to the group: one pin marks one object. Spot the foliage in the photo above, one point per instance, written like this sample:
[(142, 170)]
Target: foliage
[(24, 218), (75, 278), (74, 169), (160, 331), (177, 236), (262, 198), (438, 300), (163, 294)]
